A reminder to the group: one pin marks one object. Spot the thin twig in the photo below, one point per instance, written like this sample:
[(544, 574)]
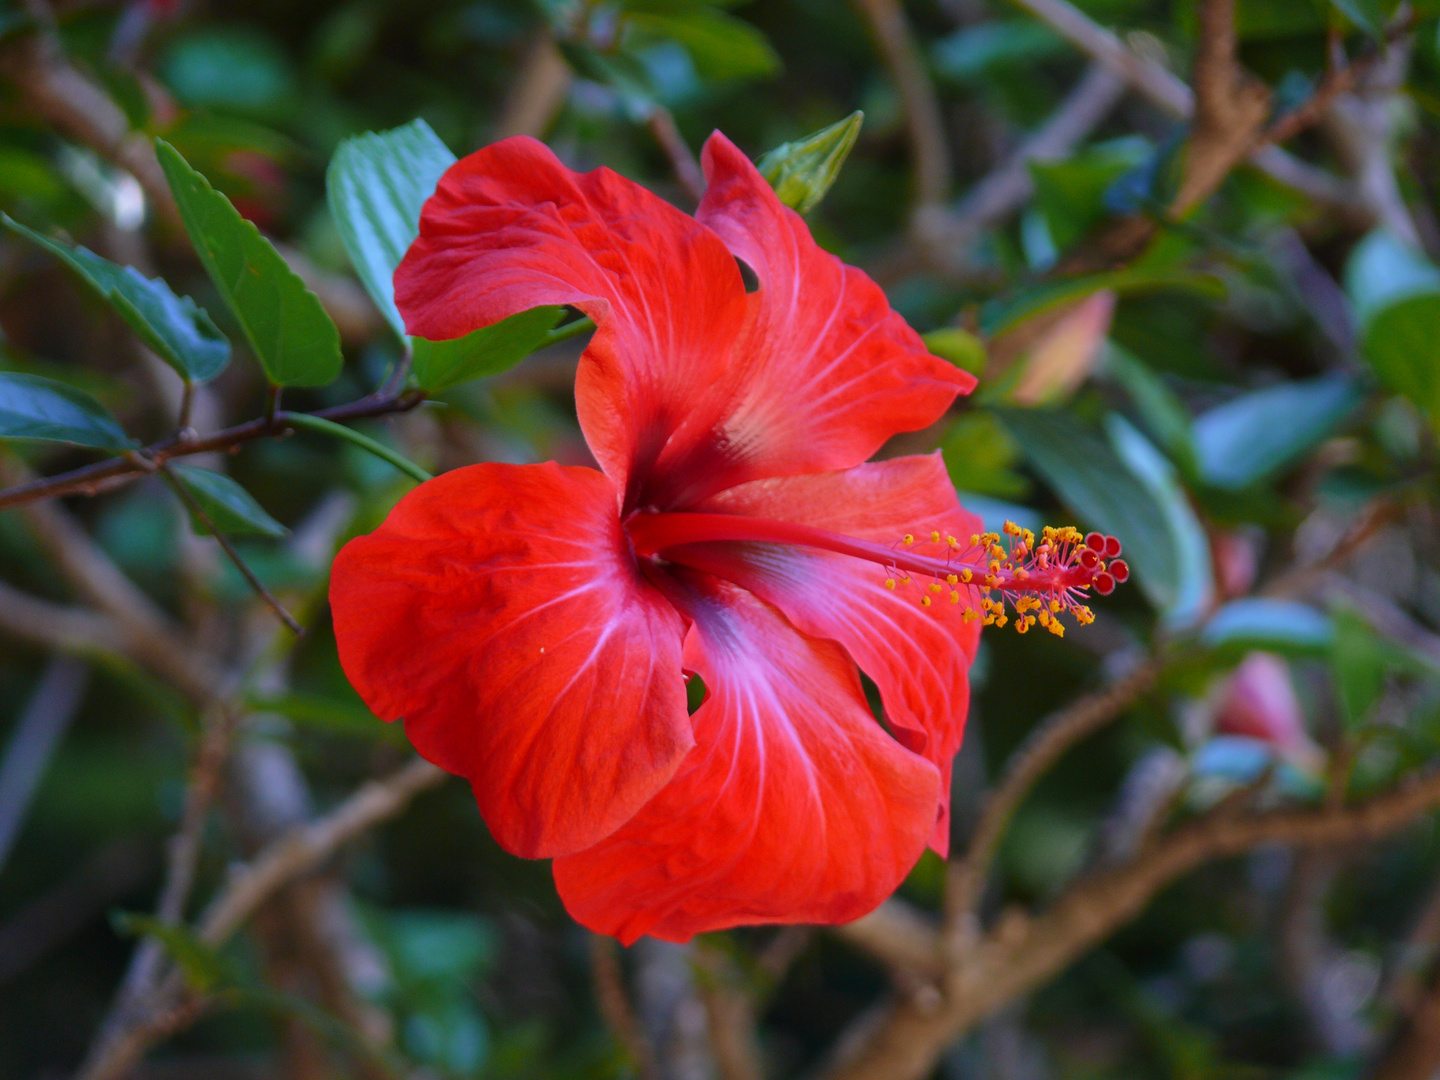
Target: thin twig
[(682, 159), (104, 474), (193, 505), (608, 979), (924, 121), (1045, 745), (37, 733)]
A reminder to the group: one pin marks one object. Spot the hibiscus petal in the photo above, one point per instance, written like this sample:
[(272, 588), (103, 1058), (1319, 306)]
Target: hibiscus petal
[(794, 806), (825, 371), (510, 228), (919, 657), (498, 609)]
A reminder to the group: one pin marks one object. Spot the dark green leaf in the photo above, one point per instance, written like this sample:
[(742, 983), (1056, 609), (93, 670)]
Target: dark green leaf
[(36, 408), (1071, 192), (802, 171), (178, 331), (1089, 474), (1160, 411), (233, 509), (487, 351), (968, 55), (720, 45), (1259, 433), (290, 333), (1396, 294), (377, 184)]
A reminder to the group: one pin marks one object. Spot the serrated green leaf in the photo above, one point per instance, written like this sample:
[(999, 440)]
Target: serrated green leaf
[(1257, 434), (288, 329), (720, 45), (802, 171), (487, 351), (233, 509), (174, 327), (32, 407), (376, 185), (1396, 294)]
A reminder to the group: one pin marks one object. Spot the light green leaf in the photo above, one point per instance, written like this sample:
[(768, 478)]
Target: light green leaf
[(290, 333), (177, 330), (960, 347), (487, 351), (376, 185), (802, 171), (1396, 295), (1259, 433), (233, 509), (35, 408), (1163, 415), (1262, 623), (199, 962)]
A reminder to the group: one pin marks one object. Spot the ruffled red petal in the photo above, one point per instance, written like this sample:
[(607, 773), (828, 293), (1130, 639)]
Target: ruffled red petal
[(919, 657), (510, 228), (825, 372), (499, 611), (794, 806)]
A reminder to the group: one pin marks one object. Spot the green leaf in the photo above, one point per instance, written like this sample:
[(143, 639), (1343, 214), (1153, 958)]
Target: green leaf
[(969, 55), (1259, 433), (376, 185), (198, 962), (233, 509), (979, 455), (1359, 660), (802, 171), (1262, 623), (288, 330), (35, 408), (1071, 192), (720, 45), (960, 347), (1396, 295), (177, 330), (487, 351), (1163, 415), (1087, 470)]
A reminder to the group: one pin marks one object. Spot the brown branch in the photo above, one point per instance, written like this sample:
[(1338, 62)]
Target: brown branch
[(682, 159), (55, 626), (1007, 188), (1170, 93), (1414, 1052), (924, 121), (104, 475), (1021, 953), (536, 92), (293, 855), (1045, 745), (608, 979)]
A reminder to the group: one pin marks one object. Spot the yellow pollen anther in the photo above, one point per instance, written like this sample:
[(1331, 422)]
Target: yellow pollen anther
[(1001, 621), (991, 581), (974, 540), (952, 579), (989, 620), (925, 600), (966, 576), (934, 536), (1022, 625), (970, 616), (1054, 605), (994, 566), (890, 583), (954, 597), (935, 586), (1056, 628), (952, 542), (1021, 573), (1011, 529), (909, 539)]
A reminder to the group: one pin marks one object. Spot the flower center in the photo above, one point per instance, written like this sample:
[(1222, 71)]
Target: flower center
[(1038, 580)]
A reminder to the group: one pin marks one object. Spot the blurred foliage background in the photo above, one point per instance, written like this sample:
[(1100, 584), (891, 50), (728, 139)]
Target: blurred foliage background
[(1239, 377)]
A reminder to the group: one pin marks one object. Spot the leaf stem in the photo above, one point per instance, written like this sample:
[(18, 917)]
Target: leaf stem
[(565, 333), (193, 505), (340, 431)]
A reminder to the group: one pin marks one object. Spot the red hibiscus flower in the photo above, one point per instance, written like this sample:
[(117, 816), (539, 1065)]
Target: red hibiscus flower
[(535, 624)]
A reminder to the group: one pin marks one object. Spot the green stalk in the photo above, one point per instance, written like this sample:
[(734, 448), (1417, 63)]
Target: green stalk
[(340, 431), (566, 332)]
